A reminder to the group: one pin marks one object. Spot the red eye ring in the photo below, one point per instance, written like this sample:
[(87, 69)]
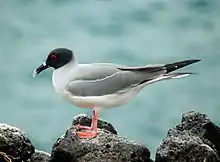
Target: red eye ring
[(53, 57)]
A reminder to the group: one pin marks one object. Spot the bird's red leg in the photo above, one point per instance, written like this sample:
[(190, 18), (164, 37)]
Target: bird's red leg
[(94, 120), (92, 123), (91, 131)]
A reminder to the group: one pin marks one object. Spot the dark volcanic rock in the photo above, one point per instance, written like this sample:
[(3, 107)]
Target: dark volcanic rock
[(213, 134), (40, 156), (106, 147), (86, 120), (15, 144), (195, 139)]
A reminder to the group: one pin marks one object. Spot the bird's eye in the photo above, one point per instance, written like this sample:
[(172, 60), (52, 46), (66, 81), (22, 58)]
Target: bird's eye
[(53, 57)]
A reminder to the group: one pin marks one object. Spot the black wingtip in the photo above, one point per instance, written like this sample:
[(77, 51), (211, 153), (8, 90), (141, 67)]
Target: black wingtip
[(177, 65)]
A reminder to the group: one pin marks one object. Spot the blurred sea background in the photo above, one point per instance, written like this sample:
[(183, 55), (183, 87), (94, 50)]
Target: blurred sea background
[(128, 32)]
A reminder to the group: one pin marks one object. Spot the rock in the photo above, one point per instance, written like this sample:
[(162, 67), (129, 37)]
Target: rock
[(40, 156), (106, 147), (14, 144), (212, 133), (86, 120), (195, 139)]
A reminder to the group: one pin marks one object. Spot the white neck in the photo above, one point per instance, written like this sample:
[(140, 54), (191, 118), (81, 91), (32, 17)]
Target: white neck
[(62, 76)]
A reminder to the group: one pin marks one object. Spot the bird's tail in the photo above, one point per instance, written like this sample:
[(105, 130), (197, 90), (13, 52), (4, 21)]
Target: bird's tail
[(170, 76), (177, 75), (177, 65), (172, 67)]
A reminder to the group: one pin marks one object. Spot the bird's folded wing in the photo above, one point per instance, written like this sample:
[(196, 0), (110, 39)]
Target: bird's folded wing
[(119, 81)]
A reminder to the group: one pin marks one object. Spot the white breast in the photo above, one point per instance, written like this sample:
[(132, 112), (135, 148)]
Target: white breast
[(59, 83), (62, 76)]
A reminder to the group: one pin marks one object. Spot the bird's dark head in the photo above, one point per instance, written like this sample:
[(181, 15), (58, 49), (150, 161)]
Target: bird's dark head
[(56, 59), (59, 57)]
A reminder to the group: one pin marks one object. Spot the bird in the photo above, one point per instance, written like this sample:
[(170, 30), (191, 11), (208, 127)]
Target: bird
[(103, 85)]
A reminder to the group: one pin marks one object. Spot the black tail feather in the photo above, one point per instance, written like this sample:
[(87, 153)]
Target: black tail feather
[(177, 65)]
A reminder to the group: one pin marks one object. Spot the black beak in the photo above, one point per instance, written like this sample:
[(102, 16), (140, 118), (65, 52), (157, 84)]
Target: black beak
[(40, 69)]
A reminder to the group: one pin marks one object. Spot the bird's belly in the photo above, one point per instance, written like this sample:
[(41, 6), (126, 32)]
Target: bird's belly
[(106, 101)]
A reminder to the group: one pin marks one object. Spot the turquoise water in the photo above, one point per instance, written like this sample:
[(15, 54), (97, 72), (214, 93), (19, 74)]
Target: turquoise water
[(125, 32)]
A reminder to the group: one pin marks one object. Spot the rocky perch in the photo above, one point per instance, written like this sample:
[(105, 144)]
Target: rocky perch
[(106, 147), (195, 139)]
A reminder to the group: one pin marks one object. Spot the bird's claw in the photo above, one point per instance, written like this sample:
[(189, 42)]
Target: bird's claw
[(87, 134), (83, 127)]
